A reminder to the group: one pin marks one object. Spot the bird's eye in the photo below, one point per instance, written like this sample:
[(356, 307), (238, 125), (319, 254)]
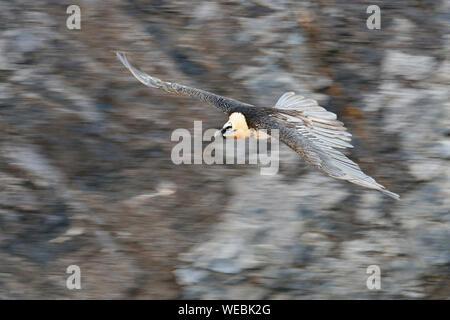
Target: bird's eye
[(227, 127)]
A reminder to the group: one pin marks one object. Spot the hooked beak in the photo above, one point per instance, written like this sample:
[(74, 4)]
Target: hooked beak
[(219, 133), (225, 128)]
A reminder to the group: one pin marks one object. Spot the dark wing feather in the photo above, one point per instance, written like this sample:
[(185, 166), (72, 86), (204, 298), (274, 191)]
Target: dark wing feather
[(318, 137), (227, 105)]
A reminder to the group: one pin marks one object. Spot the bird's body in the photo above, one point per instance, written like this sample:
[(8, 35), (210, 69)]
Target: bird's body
[(302, 124)]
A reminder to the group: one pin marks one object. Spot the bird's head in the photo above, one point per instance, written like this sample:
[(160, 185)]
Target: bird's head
[(236, 127)]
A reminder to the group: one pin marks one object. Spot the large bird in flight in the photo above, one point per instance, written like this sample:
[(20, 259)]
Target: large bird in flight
[(303, 125)]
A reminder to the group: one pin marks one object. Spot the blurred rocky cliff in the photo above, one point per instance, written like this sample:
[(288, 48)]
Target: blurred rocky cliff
[(86, 176)]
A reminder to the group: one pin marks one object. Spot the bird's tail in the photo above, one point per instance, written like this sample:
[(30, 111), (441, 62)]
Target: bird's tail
[(351, 172)]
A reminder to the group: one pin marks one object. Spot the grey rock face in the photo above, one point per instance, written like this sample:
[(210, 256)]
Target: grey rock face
[(410, 67), (86, 177)]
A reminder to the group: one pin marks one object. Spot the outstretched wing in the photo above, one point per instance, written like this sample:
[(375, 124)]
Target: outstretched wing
[(223, 103), (319, 137)]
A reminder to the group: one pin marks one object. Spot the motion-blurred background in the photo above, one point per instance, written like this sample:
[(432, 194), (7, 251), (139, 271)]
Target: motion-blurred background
[(85, 171)]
